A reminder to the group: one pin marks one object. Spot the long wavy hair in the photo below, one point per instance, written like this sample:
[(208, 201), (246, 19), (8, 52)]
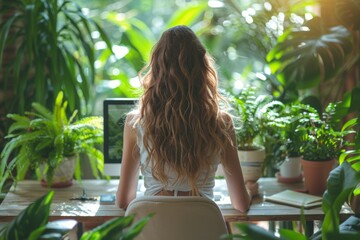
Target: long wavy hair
[(184, 128)]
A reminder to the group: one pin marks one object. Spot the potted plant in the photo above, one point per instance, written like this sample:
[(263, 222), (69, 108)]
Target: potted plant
[(44, 140), (282, 123), (321, 146), (248, 127)]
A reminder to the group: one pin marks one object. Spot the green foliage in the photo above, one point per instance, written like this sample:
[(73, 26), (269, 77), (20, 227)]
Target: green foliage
[(297, 58), (114, 229), (53, 50), (341, 182), (248, 107), (133, 37), (32, 224), (45, 137), (321, 140), (34, 217), (316, 55), (352, 154), (280, 135)]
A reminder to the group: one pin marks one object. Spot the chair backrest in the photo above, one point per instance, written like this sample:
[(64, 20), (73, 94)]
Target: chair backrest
[(184, 218)]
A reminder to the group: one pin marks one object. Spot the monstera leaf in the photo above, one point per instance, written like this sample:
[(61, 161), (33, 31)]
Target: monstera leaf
[(307, 56)]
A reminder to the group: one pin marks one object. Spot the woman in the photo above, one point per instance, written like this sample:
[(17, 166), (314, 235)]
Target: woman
[(179, 134)]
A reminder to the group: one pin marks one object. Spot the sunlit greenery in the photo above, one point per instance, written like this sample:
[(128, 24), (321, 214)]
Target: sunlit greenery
[(238, 34)]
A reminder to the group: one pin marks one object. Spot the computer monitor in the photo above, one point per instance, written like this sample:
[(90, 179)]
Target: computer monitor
[(115, 110)]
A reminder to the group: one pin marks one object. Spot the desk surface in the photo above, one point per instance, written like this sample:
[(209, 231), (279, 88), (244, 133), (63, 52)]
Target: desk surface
[(27, 192)]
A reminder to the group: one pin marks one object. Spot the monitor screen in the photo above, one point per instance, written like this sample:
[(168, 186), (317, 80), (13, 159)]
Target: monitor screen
[(115, 110)]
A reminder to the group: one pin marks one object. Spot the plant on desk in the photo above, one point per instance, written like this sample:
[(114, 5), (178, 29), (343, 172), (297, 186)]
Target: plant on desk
[(341, 183), (248, 128), (321, 146), (45, 140), (32, 223), (283, 141)]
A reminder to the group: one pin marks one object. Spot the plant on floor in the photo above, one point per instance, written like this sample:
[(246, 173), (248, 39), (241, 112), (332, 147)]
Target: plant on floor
[(46, 137), (32, 223)]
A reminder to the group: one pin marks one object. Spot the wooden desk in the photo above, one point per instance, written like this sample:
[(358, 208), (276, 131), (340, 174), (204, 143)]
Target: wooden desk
[(62, 207)]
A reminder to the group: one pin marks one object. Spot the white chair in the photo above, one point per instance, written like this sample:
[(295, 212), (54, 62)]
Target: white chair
[(178, 218)]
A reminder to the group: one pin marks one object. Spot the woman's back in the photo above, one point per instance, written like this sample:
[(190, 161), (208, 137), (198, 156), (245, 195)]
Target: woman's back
[(183, 128), (180, 134), (205, 181)]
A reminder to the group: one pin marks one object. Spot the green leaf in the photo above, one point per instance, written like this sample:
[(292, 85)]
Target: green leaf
[(342, 180), (136, 228), (290, 234), (4, 33), (30, 219), (187, 15), (252, 231), (111, 229)]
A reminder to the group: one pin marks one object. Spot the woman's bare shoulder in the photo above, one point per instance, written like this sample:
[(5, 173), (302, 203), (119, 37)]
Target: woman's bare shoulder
[(132, 118)]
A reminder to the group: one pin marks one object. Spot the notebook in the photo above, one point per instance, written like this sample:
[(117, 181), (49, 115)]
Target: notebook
[(296, 199)]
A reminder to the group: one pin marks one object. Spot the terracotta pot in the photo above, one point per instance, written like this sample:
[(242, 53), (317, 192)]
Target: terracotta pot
[(316, 174), (63, 174), (251, 163)]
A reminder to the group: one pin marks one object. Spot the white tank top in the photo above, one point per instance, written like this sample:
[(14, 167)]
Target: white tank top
[(205, 182)]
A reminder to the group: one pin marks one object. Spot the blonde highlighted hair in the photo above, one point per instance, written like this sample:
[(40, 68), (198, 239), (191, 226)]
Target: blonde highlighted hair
[(184, 128)]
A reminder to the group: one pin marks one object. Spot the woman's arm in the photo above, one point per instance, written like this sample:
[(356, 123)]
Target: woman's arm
[(130, 163), (240, 193)]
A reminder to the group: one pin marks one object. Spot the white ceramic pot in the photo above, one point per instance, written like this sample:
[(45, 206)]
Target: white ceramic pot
[(63, 174), (252, 163), (291, 167)]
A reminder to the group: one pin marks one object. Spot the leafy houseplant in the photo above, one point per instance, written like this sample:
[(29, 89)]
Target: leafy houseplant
[(341, 183), (248, 107), (283, 140), (321, 146), (45, 138), (321, 140)]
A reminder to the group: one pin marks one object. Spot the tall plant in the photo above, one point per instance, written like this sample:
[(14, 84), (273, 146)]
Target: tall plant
[(46, 46)]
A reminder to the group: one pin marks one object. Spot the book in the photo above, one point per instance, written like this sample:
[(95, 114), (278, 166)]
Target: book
[(296, 199)]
